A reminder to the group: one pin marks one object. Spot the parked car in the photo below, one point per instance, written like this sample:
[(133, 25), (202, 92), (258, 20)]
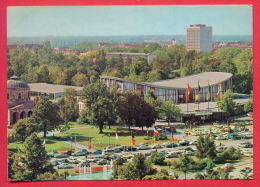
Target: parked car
[(97, 152), (52, 154), (67, 152), (163, 152), (245, 145), (143, 147), (227, 167), (184, 143), (61, 156), (172, 155), (220, 149), (78, 153), (64, 166), (73, 160), (189, 153), (170, 145), (102, 162), (157, 146), (193, 142)]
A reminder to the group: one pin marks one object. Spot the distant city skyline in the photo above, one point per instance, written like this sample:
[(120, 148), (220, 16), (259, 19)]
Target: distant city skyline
[(126, 20)]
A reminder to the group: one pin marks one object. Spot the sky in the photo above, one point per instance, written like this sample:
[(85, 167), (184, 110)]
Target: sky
[(126, 20)]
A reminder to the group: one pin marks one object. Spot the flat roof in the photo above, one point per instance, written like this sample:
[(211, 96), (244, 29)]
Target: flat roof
[(136, 54), (50, 88), (202, 79)]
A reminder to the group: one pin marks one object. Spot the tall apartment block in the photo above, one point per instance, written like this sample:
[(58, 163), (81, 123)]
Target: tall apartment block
[(199, 38)]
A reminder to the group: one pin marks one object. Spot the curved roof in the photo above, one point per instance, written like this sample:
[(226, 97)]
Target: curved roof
[(17, 83), (203, 79)]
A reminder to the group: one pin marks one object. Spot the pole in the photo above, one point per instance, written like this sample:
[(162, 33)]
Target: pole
[(109, 139), (71, 143)]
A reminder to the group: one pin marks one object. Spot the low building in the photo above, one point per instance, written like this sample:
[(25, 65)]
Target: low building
[(54, 91), (132, 56)]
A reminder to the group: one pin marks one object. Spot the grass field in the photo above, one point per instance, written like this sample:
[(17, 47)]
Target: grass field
[(98, 141)]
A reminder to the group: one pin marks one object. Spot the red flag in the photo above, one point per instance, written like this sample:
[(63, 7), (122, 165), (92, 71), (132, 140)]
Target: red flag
[(116, 133), (228, 126), (188, 93), (89, 143), (172, 138), (133, 141), (218, 93), (209, 135), (156, 133)]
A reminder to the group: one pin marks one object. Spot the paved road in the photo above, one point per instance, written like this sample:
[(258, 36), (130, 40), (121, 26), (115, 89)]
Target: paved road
[(79, 146)]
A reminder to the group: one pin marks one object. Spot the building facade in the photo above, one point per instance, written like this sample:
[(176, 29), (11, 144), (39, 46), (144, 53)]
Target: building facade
[(19, 103), (199, 38), (176, 89), (149, 57)]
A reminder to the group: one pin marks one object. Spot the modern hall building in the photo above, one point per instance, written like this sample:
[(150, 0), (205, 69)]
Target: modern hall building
[(176, 89)]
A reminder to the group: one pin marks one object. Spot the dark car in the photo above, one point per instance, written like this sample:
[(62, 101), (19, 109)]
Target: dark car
[(97, 152), (184, 143), (170, 145), (68, 152)]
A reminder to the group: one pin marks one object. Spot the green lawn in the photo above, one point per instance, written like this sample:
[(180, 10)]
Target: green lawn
[(99, 141)]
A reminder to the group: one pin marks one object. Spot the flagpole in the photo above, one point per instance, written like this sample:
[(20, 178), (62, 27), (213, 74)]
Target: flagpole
[(208, 93)]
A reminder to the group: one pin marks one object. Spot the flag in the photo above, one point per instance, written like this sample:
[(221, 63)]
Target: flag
[(228, 126), (172, 138), (188, 93), (133, 140), (74, 139), (116, 133), (156, 133), (209, 135), (198, 93), (89, 143), (208, 94), (218, 93)]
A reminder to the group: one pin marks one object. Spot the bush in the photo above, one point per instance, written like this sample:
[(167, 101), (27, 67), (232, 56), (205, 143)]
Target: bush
[(229, 154), (161, 137), (248, 107), (199, 165), (239, 109), (158, 159)]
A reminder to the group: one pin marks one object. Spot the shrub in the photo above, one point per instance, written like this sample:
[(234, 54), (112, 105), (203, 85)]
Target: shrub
[(158, 159)]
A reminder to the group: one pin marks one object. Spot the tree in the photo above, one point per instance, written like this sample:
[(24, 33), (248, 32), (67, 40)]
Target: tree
[(68, 105), (134, 110), (184, 163), (152, 100), (31, 160), (80, 79), (169, 111), (226, 103), (205, 147), (98, 104), (248, 107), (161, 175), (23, 128), (46, 115), (127, 111), (137, 169), (158, 159)]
